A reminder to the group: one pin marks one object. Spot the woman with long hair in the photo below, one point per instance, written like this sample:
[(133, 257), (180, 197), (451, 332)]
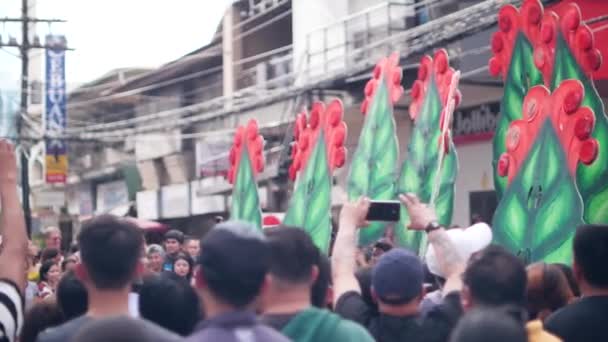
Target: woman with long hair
[(50, 273)]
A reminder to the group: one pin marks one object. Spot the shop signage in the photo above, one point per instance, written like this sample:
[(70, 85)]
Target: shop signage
[(56, 158), (147, 205), (111, 195), (475, 123), (175, 201)]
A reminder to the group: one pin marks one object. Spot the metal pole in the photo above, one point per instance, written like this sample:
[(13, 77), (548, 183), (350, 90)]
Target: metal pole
[(25, 184)]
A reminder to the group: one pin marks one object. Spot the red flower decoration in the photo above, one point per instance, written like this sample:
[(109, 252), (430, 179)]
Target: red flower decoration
[(270, 221), (250, 138), (511, 22), (439, 70), (572, 123), (392, 73), (577, 35), (328, 119)]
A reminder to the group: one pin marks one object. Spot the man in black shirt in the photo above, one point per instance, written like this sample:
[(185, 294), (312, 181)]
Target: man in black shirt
[(397, 280), (587, 319)]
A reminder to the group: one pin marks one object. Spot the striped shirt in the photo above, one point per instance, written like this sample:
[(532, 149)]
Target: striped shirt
[(11, 311)]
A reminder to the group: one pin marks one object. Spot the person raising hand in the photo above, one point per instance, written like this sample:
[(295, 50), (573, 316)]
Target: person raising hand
[(14, 248)]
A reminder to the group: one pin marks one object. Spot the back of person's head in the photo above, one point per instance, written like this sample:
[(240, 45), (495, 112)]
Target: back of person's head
[(175, 235), (489, 324), (398, 277), (115, 329), (294, 257), (110, 249), (590, 255), (169, 301), (569, 274), (49, 254), (45, 268), (495, 277), (547, 290), (40, 317), (234, 261), (322, 287), (71, 296), (364, 278)]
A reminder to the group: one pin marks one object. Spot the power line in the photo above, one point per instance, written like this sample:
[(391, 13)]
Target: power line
[(417, 8)]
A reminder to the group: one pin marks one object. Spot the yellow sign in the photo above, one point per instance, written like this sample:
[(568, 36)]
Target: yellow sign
[(56, 168)]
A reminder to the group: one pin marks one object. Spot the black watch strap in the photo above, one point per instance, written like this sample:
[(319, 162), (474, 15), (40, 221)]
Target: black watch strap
[(434, 225)]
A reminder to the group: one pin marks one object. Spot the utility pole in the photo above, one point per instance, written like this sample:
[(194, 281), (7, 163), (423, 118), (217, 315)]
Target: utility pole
[(24, 49), (25, 64)]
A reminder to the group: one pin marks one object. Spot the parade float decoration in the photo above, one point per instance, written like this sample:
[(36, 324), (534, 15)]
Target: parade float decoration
[(373, 168), (513, 49), (430, 169), (553, 161), (246, 161), (317, 151)]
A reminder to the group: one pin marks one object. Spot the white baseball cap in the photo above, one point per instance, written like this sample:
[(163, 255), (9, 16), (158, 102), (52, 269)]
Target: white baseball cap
[(467, 241)]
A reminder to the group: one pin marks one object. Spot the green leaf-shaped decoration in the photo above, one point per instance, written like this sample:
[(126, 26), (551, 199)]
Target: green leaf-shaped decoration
[(245, 200), (522, 76), (420, 168), (310, 203), (372, 171), (539, 212), (591, 179)]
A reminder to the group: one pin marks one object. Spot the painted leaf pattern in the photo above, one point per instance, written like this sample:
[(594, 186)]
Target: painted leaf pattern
[(522, 76), (372, 171), (591, 179), (419, 169), (245, 200), (525, 221), (311, 200)]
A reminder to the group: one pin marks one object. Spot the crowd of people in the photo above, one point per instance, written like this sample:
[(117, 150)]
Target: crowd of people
[(238, 283)]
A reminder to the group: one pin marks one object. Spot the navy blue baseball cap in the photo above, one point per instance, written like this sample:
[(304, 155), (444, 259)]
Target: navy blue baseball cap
[(398, 276)]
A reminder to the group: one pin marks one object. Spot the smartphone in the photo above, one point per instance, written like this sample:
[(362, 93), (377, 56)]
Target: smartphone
[(385, 211)]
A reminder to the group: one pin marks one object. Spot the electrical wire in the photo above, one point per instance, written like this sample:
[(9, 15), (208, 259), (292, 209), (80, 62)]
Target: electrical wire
[(156, 116), (10, 53), (418, 7)]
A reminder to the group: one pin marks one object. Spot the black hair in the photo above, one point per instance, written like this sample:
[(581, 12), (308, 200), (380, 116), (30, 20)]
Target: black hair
[(187, 258), (174, 234), (364, 278), (65, 262), (45, 268), (496, 277), (38, 318), (74, 248), (486, 324), (234, 260), (110, 249), (591, 253), (72, 296), (49, 254), (169, 301), (323, 282), (547, 289), (293, 254), (569, 274)]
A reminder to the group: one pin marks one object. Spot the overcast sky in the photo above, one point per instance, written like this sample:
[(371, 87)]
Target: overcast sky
[(109, 34)]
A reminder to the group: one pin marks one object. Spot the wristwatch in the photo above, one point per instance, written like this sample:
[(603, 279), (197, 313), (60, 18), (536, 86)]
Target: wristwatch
[(433, 225)]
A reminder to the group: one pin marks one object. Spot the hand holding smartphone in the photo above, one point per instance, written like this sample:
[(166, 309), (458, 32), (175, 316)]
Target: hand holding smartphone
[(384, 211)]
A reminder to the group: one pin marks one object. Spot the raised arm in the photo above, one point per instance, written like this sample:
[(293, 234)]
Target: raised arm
[(424, 218), (14, 236), (344, 263)]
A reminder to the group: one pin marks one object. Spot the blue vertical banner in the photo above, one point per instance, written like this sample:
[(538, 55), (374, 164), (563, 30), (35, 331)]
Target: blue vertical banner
[(56, 157)]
